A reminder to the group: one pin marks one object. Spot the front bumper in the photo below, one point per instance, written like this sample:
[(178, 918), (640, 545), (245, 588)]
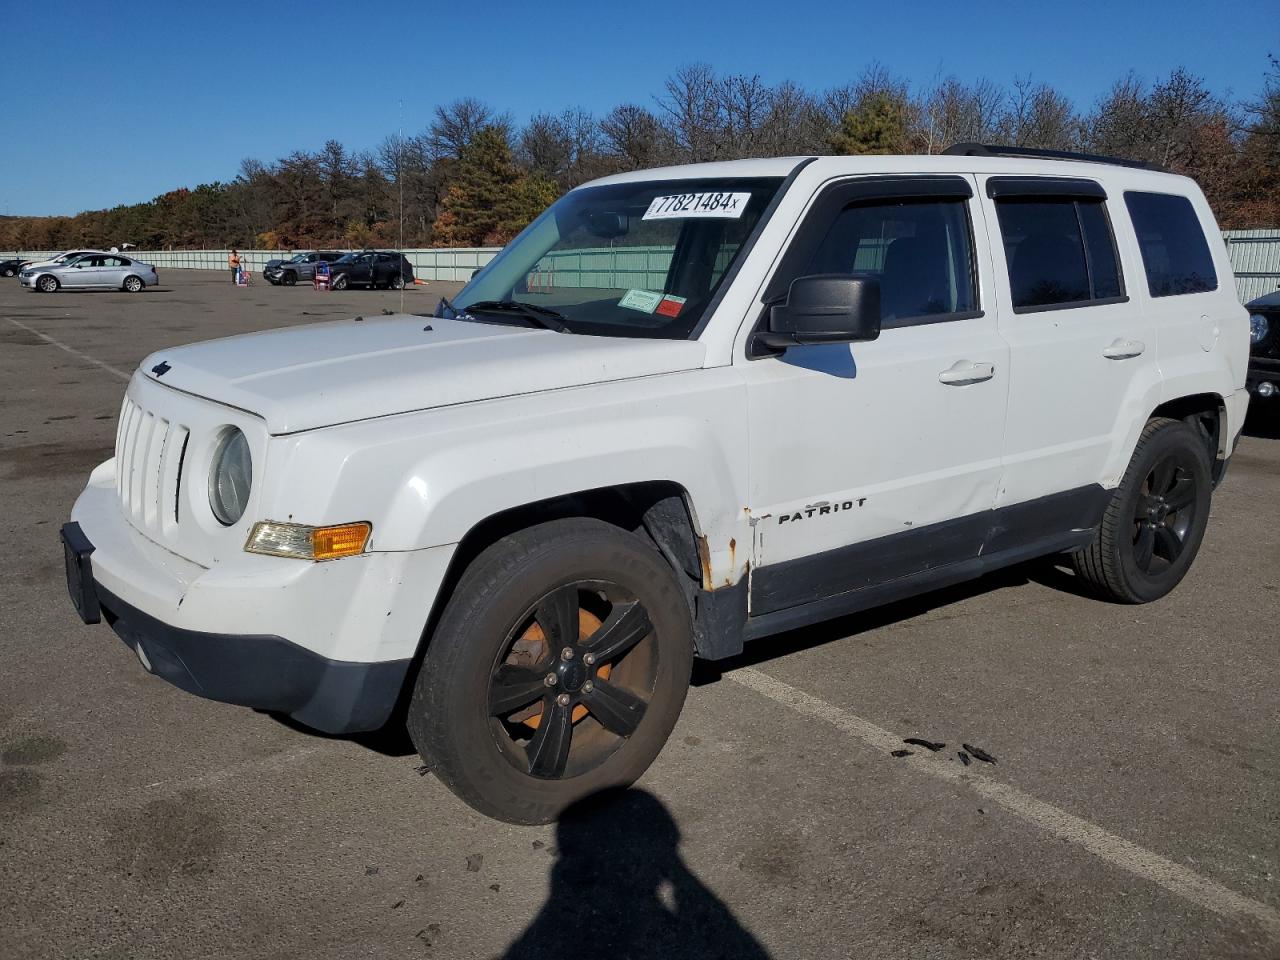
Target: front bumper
[(329, 644), (266, 672), (262, 671), (1263, 370)]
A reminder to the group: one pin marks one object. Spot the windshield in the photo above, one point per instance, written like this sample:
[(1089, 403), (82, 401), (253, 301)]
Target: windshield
[(297, 258), (627, 259)]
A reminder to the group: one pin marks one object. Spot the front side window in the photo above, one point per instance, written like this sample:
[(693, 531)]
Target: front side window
[(1175, 253), (641, 259), (919, 250), (1059, 251)]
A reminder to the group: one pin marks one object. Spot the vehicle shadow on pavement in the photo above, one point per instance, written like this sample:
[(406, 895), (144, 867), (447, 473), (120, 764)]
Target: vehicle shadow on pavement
[(620, 889)]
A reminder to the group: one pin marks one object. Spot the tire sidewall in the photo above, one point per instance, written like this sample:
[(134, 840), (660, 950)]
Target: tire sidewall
[(1144, 587), (128, 284), (44, 286), (448, 718)]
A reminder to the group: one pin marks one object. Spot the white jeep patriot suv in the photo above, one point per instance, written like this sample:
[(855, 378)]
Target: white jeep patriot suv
[(685, 408)]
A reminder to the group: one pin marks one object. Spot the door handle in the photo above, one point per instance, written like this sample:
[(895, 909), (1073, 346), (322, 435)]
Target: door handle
[(964, 372), (1124, 349)]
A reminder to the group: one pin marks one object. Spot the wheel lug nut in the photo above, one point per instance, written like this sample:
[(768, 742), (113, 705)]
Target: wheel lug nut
[(550, 680), (588, 658), (566, 653), (588, 687), (563, 699)]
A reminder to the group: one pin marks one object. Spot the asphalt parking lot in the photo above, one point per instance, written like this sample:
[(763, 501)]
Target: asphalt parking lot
[(1134, 810)]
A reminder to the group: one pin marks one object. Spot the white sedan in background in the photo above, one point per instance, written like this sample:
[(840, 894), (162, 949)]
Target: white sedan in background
[(92, 271)]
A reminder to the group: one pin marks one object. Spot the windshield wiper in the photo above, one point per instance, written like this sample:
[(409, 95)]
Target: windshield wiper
[(543, 317)]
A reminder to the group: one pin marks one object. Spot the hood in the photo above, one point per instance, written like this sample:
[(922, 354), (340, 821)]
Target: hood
[(1268, 301), (318, 375)]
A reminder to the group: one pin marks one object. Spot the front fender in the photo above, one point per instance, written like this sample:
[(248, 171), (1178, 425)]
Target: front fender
[(425, 479)]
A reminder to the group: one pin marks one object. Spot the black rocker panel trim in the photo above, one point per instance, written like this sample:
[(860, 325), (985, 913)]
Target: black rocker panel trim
[(992, 537)]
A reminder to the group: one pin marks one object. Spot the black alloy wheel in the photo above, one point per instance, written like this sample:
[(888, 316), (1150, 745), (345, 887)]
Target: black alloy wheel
[(557, 669), (1152, 527), (585, 652)]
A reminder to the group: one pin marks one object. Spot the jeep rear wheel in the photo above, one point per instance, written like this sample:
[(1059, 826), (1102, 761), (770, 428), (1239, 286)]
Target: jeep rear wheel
[(558, 670), (1153, 527)]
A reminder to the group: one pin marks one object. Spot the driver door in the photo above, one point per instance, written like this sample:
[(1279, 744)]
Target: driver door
[(82, 273), (877, 461)]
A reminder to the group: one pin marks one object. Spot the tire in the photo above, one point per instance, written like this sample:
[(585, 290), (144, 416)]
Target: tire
[(1155, 522), (10, 272), (133, 284), (47, 284), (491, 644), (339, 282), (289, 278), (396, 282)]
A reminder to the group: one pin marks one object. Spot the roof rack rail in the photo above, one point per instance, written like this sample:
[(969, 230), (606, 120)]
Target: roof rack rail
[(994, 150)]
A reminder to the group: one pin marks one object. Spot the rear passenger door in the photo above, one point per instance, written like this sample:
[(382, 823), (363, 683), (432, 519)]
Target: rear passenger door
[(878, 461), (113, 272), (1082, 363)]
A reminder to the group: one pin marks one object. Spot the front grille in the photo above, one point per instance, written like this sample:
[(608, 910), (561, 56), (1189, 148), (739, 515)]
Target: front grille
[(149, 453)]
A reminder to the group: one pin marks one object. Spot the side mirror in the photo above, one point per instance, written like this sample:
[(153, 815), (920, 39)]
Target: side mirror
[(825, 308)]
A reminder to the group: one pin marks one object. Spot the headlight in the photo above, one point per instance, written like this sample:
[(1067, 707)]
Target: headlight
[(231, 477), (303, 542), (1258, 328)]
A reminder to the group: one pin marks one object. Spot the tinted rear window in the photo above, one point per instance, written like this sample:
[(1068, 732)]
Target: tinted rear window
[(1059, 251), (1175, 253)]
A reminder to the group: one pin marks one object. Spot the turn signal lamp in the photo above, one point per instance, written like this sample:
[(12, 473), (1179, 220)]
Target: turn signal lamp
[(303, 542)]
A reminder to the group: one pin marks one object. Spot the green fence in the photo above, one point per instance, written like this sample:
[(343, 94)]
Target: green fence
[(1255, 257)]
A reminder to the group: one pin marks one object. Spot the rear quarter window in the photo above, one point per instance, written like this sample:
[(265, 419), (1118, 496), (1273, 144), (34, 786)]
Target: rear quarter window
[(1175, 253)]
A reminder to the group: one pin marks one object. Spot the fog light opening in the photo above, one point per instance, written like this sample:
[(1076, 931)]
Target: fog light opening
[(1266, 389)]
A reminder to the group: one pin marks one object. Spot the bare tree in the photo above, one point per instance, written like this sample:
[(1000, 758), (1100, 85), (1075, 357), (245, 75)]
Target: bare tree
[(634, 137), (1036, 115), (456, 124), (691, 112), (952, 112)]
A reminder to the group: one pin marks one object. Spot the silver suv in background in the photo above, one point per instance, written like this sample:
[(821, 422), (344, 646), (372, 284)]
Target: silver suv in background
[(92, 271), (301, 266)]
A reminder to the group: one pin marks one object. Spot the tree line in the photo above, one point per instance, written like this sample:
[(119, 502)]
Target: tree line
[(473, 177)]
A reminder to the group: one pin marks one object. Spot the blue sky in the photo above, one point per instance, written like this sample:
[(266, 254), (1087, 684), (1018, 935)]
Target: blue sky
[(113, 103)]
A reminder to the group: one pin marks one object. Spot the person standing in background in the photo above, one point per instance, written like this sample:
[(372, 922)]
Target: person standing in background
[(234, 262)]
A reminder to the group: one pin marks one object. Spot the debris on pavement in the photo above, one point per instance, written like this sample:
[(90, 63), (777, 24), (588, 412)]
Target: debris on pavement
[(929, 745), (900, 753), (979, 754), (964, 757)]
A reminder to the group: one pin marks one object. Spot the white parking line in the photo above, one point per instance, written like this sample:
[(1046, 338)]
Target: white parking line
[(1114, 850), (71, 350)]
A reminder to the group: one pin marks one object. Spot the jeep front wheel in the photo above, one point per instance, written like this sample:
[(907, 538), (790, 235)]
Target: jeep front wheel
[(1152, 528), (558, 670)]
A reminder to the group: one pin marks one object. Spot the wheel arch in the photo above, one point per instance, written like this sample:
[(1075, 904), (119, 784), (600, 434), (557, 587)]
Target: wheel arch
[(661, 512), (1206, 413)]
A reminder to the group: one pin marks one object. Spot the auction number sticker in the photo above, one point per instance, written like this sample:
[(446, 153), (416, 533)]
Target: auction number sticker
[(729, 206)]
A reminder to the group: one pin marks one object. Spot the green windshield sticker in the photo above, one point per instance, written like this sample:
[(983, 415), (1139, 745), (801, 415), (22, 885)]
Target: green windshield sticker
[(643, 300)]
